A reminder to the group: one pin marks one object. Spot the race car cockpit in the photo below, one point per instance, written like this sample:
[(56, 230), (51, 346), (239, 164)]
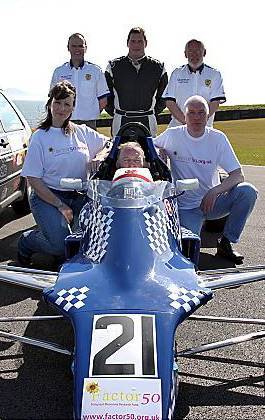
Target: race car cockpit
[(132, 188), (135, 132)]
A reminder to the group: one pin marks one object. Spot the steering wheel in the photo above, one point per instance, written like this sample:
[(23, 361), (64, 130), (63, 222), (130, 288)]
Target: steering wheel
[(132, 131)]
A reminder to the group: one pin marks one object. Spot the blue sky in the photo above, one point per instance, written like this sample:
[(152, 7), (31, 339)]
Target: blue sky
[(33, 38)]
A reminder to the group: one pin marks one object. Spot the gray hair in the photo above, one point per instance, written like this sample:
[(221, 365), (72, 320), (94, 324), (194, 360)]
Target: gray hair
[(196, 99), (131, 145)]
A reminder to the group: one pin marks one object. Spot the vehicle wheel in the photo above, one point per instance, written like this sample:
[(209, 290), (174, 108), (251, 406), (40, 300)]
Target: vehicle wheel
[(21, 207)]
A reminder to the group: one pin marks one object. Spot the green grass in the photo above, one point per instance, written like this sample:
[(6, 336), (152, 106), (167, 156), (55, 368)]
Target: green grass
[(235, 107), (246, 136)]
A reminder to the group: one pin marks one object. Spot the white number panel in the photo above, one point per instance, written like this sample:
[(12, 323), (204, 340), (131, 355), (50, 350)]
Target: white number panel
[(123, 345)]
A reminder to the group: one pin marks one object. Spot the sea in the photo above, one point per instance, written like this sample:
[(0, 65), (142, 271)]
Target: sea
[(33, 110)]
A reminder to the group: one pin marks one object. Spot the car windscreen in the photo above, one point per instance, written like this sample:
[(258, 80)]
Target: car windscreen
[(129, 193), (10, 120)]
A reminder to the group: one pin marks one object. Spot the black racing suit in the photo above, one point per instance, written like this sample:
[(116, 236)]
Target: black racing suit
[(136, 91)]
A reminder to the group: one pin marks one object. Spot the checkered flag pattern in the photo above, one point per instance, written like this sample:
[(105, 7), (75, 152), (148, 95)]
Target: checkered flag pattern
[(188, 234), (96, 226), (84, 215), (77, 234), (156, 226), (172, 396), (172, 225), (72, 298), (186, 299)]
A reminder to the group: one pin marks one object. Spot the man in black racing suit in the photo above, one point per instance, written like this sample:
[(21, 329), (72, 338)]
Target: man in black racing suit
[(136, 83)]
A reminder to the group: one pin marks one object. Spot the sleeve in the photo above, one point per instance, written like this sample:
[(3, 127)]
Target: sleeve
[(102, 87), (109, 79), (162, 140), (95, 141), (227, 157), (170, 92), (218, 93), (55, 78), (34, 162), (160, 102)]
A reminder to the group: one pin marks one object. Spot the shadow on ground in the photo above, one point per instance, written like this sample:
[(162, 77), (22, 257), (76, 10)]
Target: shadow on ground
[(42, 387)]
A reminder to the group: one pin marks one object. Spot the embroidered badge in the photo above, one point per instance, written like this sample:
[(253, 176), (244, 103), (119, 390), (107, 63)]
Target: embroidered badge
[(208, 82), (88, 76)]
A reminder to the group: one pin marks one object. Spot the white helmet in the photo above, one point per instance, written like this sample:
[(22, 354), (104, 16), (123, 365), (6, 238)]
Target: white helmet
[(132, 174)]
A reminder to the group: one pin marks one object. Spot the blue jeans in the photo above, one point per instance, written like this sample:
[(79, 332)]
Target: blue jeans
[(237, 204), (49, 236)]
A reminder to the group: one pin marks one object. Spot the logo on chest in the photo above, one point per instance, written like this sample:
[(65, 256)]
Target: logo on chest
[(183, 80)]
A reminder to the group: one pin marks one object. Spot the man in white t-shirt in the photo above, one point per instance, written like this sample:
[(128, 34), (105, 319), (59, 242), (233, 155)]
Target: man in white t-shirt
[(88, 79), (194, 78), (197, 151)]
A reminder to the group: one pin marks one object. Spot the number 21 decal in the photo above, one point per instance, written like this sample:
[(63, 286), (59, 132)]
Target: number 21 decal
[(123, 345)]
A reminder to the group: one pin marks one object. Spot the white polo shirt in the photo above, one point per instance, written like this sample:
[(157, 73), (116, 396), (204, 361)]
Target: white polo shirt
[(197, 157), (90, 84), (183, 83)]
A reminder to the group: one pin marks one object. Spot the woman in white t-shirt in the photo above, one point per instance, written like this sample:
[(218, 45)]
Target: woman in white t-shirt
[(58, 149)]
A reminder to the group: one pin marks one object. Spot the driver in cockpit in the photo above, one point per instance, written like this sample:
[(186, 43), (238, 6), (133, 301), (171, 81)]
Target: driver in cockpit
[(131, 167), (130, 155)]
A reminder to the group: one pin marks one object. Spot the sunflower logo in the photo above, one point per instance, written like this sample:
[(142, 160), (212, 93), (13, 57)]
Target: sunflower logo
[(92, 387)]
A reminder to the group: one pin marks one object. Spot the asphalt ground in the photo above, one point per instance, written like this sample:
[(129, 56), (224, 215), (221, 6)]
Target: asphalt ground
[(220, 384)]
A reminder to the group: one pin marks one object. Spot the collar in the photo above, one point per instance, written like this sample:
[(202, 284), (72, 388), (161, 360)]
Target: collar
[(136, 62), (195, 138), (199, 69), (81, 65)]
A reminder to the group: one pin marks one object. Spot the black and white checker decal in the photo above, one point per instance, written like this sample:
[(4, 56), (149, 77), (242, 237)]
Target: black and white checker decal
[(172, 217), (188, 234), (77, 234), (156, 226), (172, 396), (96, 226), (172, 226), (72, 298), (186, 299)]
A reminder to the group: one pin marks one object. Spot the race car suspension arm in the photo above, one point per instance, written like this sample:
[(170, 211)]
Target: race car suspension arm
[(220, 344), (254, 321), (29, 318), (27, 270), (231, 270), (33, 342)]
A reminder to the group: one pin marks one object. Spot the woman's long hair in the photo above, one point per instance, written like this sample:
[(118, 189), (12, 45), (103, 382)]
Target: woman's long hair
[(60, 91)]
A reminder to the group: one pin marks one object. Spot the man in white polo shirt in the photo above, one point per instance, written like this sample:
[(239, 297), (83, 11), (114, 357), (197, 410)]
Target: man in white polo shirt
[(194, 78), (197, 151), (88, 79)]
